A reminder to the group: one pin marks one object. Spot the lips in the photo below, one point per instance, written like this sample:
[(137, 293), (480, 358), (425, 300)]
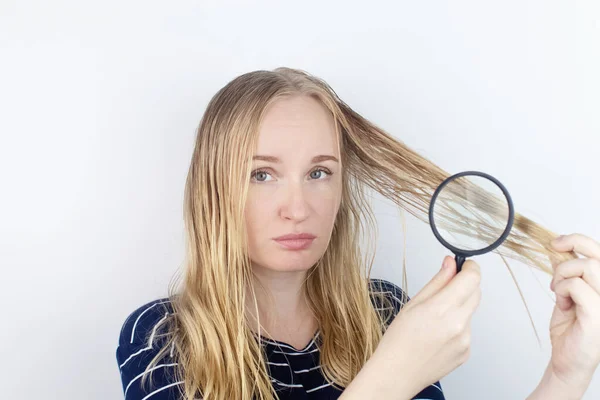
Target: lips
[(295, 241), (295, 236)]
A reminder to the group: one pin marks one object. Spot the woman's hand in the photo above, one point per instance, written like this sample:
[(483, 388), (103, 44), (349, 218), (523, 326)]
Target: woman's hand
[(575, 322), (429, 338)]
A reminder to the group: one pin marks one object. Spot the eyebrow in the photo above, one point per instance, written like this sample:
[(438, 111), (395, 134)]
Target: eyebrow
[(315, 159)]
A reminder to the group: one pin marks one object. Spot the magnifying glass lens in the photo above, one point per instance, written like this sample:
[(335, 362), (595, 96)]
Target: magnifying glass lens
[(471, 213)]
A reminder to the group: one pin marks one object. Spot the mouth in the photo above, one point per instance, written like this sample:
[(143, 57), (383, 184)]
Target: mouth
[(295, 244)]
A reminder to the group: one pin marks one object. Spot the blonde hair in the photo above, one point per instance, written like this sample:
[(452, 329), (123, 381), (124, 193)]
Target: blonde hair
[(218, 355)]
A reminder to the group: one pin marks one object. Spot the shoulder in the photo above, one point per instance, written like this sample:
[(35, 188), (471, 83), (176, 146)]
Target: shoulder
[(142, 321), (140, 340)]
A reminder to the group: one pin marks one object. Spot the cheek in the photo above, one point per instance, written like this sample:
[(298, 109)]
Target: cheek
[(252, 215), (326, 208), (252, 225), (327, 199), (249, 219)]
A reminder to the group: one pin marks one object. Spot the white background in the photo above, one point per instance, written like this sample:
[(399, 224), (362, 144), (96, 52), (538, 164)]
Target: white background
[(99, 105)]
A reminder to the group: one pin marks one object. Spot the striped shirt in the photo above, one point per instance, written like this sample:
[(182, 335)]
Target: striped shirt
[(295, 374)]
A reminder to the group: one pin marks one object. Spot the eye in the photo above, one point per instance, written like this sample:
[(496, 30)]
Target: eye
[(260, 172), (327, 172)]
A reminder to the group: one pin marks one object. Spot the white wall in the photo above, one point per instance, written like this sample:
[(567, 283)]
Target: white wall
[(99, 105)]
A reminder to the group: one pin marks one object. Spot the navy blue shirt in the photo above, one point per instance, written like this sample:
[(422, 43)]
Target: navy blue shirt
[(295, 374)]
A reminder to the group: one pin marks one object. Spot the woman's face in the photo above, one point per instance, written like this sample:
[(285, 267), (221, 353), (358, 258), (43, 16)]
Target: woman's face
[(298, 190)]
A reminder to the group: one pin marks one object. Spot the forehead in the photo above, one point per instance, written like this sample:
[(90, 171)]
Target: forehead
[(298, 126)]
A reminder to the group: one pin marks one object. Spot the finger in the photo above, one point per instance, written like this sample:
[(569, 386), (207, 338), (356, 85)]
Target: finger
[(437, 282), (579, 243), (461, 287), (564, 303), (586, 299), (586, 268)]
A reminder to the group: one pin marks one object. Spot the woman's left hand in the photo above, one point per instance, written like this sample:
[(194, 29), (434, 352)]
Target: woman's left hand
[(575, 322)]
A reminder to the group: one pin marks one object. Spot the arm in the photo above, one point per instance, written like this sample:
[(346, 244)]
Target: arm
[(373, 380), (386, 375), (551, 388), (574, 326), (376, 381)]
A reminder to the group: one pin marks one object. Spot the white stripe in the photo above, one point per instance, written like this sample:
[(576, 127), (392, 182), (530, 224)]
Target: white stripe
[(307, 370), (140, 375), (297, 372), (284, 384), (317, 388), (162, 388), (435, 386), (133, 355), (156, 326), (139, 316), (296, 354), (149, 346), (308, 346)]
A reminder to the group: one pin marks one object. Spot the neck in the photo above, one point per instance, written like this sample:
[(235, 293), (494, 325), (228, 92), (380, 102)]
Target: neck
[(281, 300)]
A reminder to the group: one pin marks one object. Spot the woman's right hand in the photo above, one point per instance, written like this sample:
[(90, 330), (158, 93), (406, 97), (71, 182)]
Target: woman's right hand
[(431, 335)]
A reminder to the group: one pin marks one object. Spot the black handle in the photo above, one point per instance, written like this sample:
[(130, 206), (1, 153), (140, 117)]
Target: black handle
[(460, 260)]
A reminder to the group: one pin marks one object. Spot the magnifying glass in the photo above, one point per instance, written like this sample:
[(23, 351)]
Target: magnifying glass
[(471, 213)]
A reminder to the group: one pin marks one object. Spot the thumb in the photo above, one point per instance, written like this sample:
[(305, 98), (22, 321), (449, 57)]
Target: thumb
[(441, 279)]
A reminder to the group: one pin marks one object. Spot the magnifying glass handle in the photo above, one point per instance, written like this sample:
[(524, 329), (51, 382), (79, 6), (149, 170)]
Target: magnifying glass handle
[(460, 260)]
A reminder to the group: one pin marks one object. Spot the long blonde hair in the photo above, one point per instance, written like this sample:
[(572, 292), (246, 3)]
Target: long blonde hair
[(218, 355)]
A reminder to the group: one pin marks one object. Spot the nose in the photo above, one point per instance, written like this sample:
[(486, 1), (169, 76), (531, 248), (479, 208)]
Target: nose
[(294, 206)]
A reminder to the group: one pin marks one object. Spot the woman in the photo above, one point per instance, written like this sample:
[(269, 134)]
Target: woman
[(276, 300)]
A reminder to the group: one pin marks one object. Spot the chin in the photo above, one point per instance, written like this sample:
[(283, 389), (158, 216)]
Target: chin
[(289, 262), (287, 266)]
